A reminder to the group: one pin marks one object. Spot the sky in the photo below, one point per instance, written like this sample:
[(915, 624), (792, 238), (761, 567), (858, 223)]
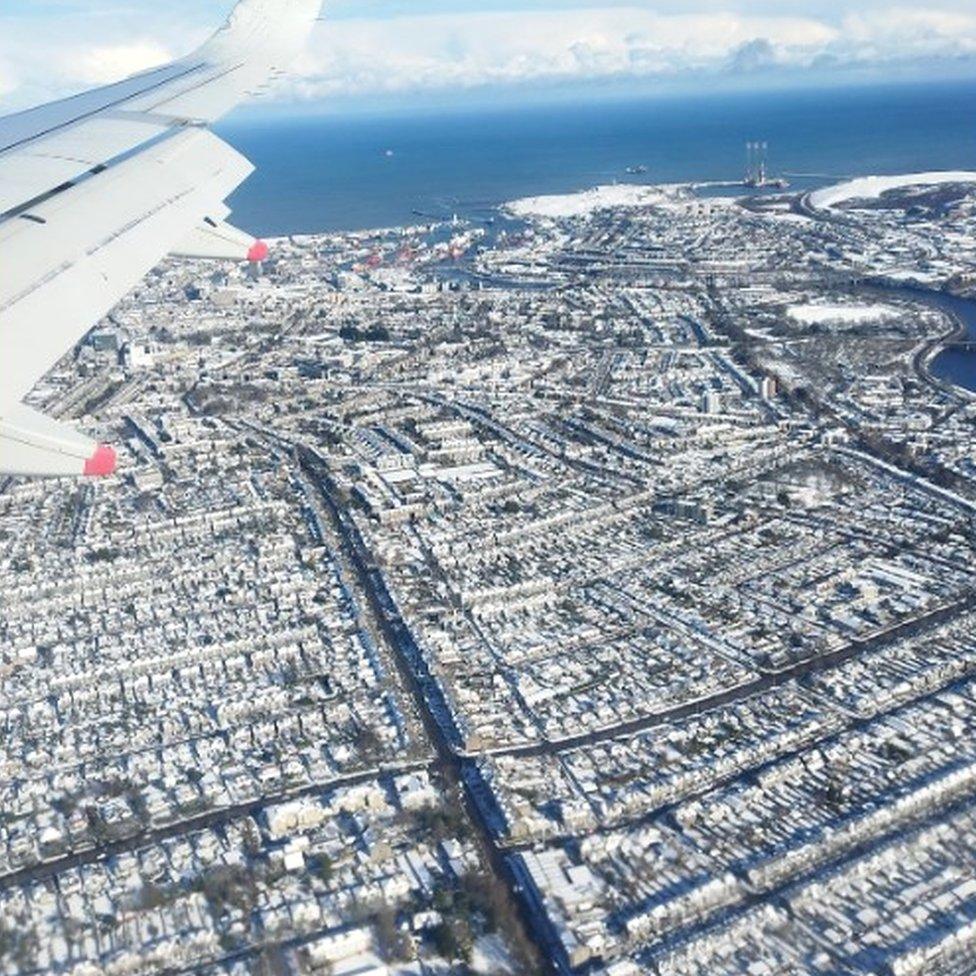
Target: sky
[(366, 52)]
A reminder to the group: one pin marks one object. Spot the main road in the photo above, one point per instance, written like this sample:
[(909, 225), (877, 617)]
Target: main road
[(532, 927)]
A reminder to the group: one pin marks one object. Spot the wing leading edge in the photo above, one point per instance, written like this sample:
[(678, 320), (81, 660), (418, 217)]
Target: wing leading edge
[(96, 189)]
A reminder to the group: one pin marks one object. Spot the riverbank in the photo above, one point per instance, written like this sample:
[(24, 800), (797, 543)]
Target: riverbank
[(929, 355), (951, 368)]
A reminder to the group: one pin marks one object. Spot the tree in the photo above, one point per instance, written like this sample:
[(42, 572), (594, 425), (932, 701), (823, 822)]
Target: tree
[(368, 743), (395, 946), (453, 940), (322, 867), (251, 837), (228, 886)]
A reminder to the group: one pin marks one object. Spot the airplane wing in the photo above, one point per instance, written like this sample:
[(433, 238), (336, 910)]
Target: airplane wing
[(96, 189)]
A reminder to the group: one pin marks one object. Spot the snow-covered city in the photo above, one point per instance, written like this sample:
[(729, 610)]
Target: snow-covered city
[(587, 589)]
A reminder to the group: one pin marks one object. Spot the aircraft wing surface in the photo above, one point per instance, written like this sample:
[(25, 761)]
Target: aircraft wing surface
[(96, 189)]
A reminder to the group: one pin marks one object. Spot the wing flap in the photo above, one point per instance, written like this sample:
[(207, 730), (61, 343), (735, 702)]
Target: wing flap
[(67, 156), (218, 240), (24, 178), (86, 248)]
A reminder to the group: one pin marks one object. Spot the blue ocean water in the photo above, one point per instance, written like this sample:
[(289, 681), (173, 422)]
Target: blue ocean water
[(331, 172)]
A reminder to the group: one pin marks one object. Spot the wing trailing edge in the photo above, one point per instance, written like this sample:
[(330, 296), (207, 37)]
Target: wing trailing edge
[(37, 446), (220, 241)]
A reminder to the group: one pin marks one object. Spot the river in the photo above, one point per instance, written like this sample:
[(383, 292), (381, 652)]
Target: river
[(957, 365), (953, 365)]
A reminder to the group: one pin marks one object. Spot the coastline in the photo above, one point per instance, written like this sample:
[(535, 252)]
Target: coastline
[(450, 161)]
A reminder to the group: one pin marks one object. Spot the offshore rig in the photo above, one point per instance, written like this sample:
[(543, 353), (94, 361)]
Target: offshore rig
[(757, 168)]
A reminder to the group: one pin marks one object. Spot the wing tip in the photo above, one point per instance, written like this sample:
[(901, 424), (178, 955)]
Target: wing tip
[(103, 463), (259, 252)]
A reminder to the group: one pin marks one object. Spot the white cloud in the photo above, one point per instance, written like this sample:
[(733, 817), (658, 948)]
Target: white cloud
[(45, 59), (355, 55), (8, 81), (444, 51), (903, 32), (101, 65)]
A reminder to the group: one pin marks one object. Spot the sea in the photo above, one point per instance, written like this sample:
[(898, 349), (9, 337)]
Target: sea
[(343, 171), (325, 172)]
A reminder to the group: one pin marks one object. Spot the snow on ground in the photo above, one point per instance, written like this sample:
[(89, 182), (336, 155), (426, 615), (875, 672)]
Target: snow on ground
[(784, 217), (872, 187), (587, 202), (910, 277), (840, 314), (491, 958)]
